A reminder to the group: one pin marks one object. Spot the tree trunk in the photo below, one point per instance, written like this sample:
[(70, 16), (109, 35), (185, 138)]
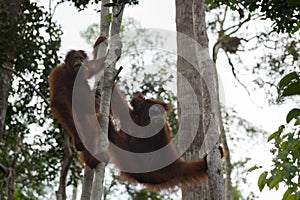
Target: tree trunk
[(195, 66), (186, 62), (13, 8), (106, 91), (66, 163), (228, 167), (212, 120), (74, 192), (87, 184), (5, 84)]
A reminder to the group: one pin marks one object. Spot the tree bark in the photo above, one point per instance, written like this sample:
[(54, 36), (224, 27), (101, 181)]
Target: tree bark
[(87, 184), (186, 62), (5, 84), (228, 167), (195, 65), (108, 81), (99, 51), (212, 120), (13, 9), (68, 155), (74, 192)]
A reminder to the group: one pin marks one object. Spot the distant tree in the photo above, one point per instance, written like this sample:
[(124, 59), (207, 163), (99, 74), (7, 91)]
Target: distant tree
[(29, 155), (285, 14), (281, 57)]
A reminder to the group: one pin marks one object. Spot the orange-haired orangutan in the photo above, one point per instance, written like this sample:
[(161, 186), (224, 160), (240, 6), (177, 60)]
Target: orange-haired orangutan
[(76, 113), (138, 134)]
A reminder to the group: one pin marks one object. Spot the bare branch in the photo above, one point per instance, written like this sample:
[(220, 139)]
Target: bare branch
[(239, 25), (234, 73), (118, 72), (224, 18)]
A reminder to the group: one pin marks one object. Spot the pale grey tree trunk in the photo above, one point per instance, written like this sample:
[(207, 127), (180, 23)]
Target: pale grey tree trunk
[(211, 103), (88, 178), (228, 167), (74, 192), (87, 183), (186, 62), (201, 74), (107, 85)]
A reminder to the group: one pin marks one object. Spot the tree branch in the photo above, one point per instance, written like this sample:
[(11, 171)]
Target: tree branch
[(3, 169), (234, 74), (117, 74), (68, 155), (87, 184), (107, 83), (28, 83)]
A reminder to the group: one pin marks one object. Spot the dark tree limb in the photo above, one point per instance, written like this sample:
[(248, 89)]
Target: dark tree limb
[(66, 163), (28, 83)]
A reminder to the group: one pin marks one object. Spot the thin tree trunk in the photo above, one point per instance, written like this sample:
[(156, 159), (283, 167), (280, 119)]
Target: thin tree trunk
[(74, 192), (228, 167), (99, 51), (68, 155), (105, 20), (13, 9), (87, 184), (107, 86), (10, 178)]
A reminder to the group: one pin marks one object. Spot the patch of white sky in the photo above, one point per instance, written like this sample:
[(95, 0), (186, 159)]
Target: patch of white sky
[(157, 14)]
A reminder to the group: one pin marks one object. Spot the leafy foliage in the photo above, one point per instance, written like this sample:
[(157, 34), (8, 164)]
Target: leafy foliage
[(240, 135), (284, 13), (30, 146), (82, 4), (286, 142), (289, 85)]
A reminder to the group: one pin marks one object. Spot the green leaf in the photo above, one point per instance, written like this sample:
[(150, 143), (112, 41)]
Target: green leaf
[(262, 180), (287, 194), (286, 80), (295, 151), (276, 134), (292, 89), (254, 168), (274, 183), (294, 113)]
